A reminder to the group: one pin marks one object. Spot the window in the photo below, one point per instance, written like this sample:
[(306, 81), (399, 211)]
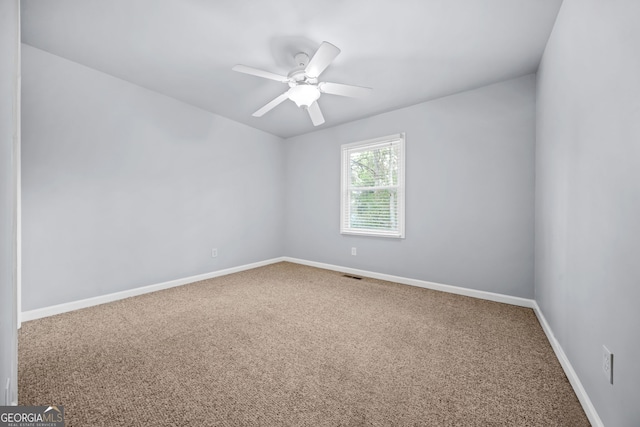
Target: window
[(372, 201)]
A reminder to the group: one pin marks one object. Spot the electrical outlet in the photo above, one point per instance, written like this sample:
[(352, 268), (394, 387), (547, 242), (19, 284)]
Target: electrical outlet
[(353, 251), (214, 253), (607, 364)]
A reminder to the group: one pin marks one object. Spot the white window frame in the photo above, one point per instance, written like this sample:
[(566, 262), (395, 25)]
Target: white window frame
[(345, 184)]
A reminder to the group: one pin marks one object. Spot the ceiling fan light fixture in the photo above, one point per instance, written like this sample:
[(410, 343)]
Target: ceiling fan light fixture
[(304, 94)]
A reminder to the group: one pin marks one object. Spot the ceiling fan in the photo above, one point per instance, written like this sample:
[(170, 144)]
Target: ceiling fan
[(304, 88)]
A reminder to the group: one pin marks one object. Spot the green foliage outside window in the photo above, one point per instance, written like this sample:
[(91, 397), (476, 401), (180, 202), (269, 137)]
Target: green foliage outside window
[(374, 180)]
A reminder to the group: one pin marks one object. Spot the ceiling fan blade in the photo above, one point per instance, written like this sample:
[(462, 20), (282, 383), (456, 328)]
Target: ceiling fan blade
[(344, 90), (325, 54), (260, 73), (316, 115), (271, 105)]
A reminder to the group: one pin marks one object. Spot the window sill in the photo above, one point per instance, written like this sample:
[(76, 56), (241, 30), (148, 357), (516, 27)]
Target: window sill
[(372, 234)]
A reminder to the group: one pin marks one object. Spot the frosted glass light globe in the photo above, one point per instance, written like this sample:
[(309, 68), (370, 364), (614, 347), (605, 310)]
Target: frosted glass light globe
[(304, 94)]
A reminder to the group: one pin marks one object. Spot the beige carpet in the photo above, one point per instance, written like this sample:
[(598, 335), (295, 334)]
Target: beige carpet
[(298, 346)]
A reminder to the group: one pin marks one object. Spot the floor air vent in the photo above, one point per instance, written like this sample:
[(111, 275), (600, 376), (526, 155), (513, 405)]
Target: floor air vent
[(351, 277)]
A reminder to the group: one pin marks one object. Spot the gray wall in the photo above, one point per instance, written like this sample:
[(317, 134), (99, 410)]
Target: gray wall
[(469, 194), (123, 187), (9, 51), (588, 197)]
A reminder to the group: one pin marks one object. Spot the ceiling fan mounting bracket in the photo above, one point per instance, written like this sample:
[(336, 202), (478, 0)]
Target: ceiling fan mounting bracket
[(302, 59)]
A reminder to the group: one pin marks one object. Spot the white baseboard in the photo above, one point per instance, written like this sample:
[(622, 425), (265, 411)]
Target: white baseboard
[(102, 299), (507, 299), (571, 374)]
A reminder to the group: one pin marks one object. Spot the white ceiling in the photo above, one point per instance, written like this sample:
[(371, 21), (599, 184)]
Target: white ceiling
[(408, 51)]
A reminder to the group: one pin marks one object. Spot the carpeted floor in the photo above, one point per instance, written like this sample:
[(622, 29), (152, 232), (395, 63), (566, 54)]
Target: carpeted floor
[(292, 345)]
